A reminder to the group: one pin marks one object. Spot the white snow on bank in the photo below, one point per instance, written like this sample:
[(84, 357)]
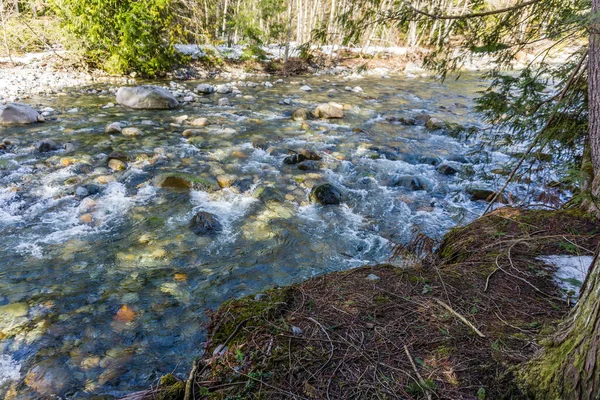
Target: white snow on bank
[(10, 370), (571, 270)]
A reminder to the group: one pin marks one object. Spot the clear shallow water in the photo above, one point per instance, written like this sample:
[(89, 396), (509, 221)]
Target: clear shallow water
[(109, 306)]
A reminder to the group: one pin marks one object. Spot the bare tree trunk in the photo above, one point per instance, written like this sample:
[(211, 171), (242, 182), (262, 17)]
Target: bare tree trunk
[(288, 38), (224, 23)]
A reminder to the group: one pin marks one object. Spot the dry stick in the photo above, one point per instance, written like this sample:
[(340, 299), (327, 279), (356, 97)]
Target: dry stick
[(463, 319), (537, 136), (419, 377), (330, 342)]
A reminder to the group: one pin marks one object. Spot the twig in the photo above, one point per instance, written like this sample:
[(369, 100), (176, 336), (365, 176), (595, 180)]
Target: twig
[(419, 377), (463, 319), (330, 342), (487, 281)]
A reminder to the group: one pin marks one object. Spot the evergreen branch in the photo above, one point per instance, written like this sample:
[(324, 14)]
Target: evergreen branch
[(540, 132), (471, 15)]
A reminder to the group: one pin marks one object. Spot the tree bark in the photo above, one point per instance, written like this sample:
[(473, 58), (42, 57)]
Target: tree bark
[(568, 366)]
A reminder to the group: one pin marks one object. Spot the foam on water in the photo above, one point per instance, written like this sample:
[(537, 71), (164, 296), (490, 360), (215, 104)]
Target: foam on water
[(10, 370)]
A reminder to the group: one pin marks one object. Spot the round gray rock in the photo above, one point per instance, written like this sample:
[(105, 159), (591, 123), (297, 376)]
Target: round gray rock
[(19, 114), (146, 97)]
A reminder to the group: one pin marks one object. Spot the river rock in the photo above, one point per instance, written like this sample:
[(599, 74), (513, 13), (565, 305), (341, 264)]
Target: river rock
[(269, 194), (48, 378), (131, 131), (480, 193), (116, 165), (446, 169), (301, 114), (191, 132), (422, 118), (19, 114), (204, 223), (224, 102), (328, 111), (223, 89), (326, 194), (310, 155), (146, 97), (205, 88), (294, 159), (199, 122), (176, 182), (46, 145), (114, 127), (435, 123), (309, 165), (412, 182), (306, 88), (118, 155), (430, 160)]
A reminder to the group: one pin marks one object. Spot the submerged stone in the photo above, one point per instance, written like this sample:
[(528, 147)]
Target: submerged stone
[(176, 182), (446, 169), (300, 114), (204, 223), (412, 182), (294, 159), (146, 97), (326, 194), (48, 378), (46, 145)]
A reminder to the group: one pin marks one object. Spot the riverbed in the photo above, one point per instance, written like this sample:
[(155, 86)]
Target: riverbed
[(103, 291)]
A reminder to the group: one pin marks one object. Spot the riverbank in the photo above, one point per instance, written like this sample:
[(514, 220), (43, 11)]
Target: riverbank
[(50, 73), (455, 324)]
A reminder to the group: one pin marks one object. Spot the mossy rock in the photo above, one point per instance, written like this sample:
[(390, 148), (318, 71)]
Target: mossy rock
[(183, 182), (170, 388)]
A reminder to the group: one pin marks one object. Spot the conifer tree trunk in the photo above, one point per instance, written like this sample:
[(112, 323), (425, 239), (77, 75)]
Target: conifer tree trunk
[(594, 100), (568, 367)]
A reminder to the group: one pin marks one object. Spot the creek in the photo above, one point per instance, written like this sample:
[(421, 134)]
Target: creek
[(103, 291)]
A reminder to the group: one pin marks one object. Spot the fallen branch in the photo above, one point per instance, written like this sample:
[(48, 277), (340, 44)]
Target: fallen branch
[(460, 317), (419, 377)]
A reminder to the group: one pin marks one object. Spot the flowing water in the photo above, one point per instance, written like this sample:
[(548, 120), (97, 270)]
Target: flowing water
[(109, 302)]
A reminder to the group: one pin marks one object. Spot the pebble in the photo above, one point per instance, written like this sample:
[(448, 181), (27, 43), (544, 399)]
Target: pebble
[(306, 88), (296, 331)]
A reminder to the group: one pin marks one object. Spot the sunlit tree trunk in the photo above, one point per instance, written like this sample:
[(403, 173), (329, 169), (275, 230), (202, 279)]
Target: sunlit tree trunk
[(568, 366)]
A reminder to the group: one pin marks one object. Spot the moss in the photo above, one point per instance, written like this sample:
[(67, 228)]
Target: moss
[(170, 388), (269, 307)]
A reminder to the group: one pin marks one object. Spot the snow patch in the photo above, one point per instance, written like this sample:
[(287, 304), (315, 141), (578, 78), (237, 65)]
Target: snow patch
[(570, 270)]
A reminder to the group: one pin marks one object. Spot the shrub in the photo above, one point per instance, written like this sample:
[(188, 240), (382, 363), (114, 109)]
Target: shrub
[(122, 36)]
